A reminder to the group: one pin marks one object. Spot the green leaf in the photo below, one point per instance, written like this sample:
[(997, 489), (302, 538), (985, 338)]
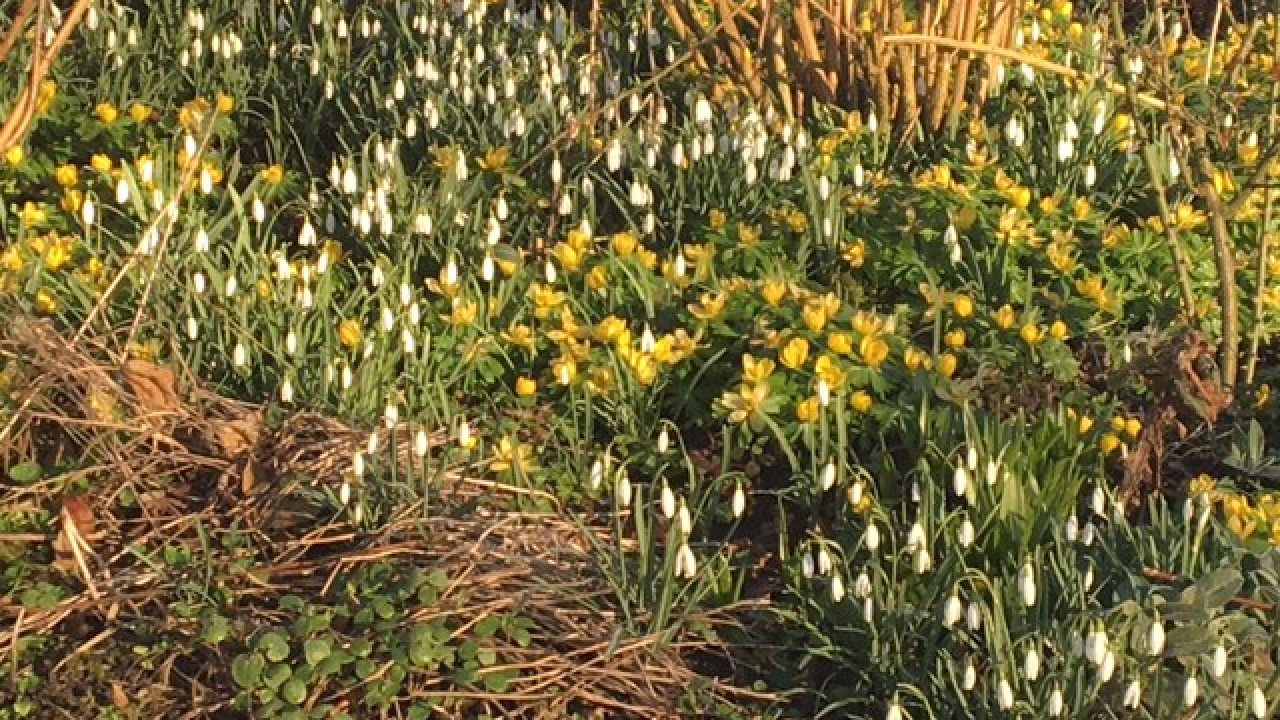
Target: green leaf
[(246, 670), (316, 649), (438, 579), (1187, 640), (25, 473), (487, 627), (274, 645), (293, 692), (276, 674), (215, 630), (1220, 586), (497, 682)]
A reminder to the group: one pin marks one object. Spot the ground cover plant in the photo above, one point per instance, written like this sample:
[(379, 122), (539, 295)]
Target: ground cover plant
[(520, 359)]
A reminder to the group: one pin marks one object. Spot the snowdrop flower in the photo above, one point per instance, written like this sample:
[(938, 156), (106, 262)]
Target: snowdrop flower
[(683, 519), (1055, 702), (1132, 695), (952, 611), (915, 537), (806, 565), (686, 561), (1005, 695), (1090, 175), (1108, 667), (624, 490), (1087, 534), (923, 562), (872, 537), (1155, 637), (973, 617), (1219, 665), (1095, 646), (960, 481), (597, 473), (970, 679), (739, 502), (824, 561), (1027, 584), (966, 533), (837, 588), (895, 711), (667, 501), (664, 440), (862, 585), (1071, 529), (1031, 664), (993, 472), (828, 478), (1258, 702), (1190, 691)]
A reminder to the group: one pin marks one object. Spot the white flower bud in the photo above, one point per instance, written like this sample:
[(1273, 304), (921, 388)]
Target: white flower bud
[(1055, 702), (739, 502), (1190, 691), (973, 617), (1005, 695), (1108, 667), (806, 565), (952, 611), (1155, 637), (1027, 584), (1132, 695), (1219, 665), (872, 537), (862, 585), (837, 588), (664, 440), (970, 679), (966, 533), (828, 478), (1258, 702), (960, 481)]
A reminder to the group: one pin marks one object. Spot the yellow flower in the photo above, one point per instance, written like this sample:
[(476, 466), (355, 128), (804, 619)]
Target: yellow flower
[(855, 253), (10, 259), (754, 371), (545, 299), (598, 278), (624, 243), (1108, 443), (33, 214), (708, 307), (773, 290), (840, 343), (101, 163), (1030, 333), (955, 339), (106, 113), (1020, 197), (874, 351), (520, 336), (1132, 427), (828, 370), (46, 304), (963, 306), (525, 387), (67, 175), (350, 333), (749, 400), (914, 358), (139, 113), (494, 159), (564, 369), (58, 254), (1121, 123), (809, 410), (1058, 330), (15, 155), (511, 455), (814, 315), (569, 256), (716, 219), (1115, 235), (264, 288), (48, 91), (1080, 209), (273, 174), (71, 200), (225, 103), (748, 236), (947, 365), (795, 353), (463, 313), (1186, 217), (860, 401)]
